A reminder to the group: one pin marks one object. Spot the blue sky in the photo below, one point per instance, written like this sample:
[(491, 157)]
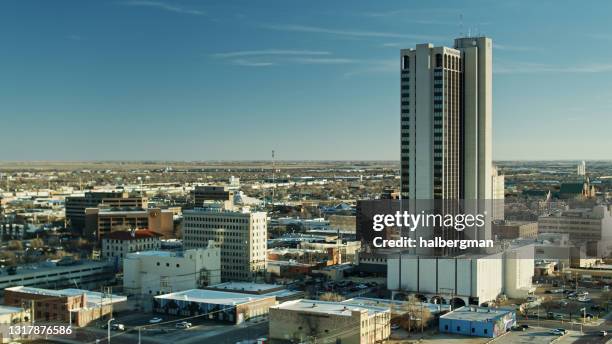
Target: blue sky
[(226, 80)]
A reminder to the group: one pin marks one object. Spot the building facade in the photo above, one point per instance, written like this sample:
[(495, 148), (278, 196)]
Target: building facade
[(101, 221), (462, 280), (592, 226), (218, 305), (314, 321), (478, 321), (241, 235), (116, 245), (515, 229), (161, 272), (76, 205), (205, 193), (446, 120), (66, 306)]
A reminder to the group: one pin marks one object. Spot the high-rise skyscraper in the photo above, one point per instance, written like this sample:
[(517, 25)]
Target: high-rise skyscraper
[(446, 105)]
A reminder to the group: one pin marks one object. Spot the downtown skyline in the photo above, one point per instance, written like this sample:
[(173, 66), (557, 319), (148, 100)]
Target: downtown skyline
[(193, 80)]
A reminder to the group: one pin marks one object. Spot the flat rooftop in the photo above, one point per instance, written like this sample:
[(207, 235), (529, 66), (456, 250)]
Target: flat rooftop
[(328, 307), (246, 286), (370, 301), (473, 313), (94, 298), (212, 297)]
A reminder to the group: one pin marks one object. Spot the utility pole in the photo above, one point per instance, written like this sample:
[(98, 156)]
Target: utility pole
[(139, 328), (32, 310), (421, 319)]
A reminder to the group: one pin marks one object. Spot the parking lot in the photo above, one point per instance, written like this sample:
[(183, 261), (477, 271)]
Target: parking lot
[(532, 335)]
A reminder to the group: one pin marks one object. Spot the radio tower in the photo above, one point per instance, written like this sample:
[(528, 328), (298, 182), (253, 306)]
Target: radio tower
[(273, 179)]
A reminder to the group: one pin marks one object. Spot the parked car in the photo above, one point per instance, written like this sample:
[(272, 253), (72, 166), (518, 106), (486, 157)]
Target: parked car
[(155, 320), (395, 327), (603, 333)]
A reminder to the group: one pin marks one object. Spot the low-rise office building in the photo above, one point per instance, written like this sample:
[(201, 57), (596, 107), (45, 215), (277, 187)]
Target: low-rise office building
[(591, 226), (100, 222), (161, 272), (116, 245), (76, 205), (68, 306), (478, 321), (328, 322), (219, 305), (515, 229)]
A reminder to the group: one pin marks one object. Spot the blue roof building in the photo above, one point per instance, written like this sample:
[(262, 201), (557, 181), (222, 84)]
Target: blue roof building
[(478, 321)]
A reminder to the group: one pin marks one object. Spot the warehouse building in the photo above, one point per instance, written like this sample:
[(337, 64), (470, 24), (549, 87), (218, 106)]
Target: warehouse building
[(328, 322), (478, 321), (218, 305)]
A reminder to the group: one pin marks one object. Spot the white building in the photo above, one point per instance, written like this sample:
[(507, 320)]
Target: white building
[(463, 280), (160, 272), (446, 120), (314, 321), (116, 245), (581, 168), (242, 236)]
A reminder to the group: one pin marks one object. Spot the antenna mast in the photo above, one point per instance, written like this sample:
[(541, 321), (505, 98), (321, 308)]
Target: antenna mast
[(273, 178)]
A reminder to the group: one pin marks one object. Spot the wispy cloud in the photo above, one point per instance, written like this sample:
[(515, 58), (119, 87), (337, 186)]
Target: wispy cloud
[(163, 6), (375, 67), (270, 57), (270, 52), (415, 11), (318, 60), (249, 63), (538, 68), (347, 33)]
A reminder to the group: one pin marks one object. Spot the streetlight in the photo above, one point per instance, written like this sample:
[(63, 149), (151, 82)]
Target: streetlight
[(583, 318), (108, 326)]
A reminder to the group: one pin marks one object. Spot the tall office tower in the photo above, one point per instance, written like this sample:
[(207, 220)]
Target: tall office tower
[(446, 121), (241, 235), (446, 129)]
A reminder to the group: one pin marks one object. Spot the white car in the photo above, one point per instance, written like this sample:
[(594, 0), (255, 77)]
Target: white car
[(183, 324), (155, 320), (558, 331)]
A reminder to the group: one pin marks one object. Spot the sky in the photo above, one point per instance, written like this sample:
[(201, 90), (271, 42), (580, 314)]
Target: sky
[(313, 80)]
